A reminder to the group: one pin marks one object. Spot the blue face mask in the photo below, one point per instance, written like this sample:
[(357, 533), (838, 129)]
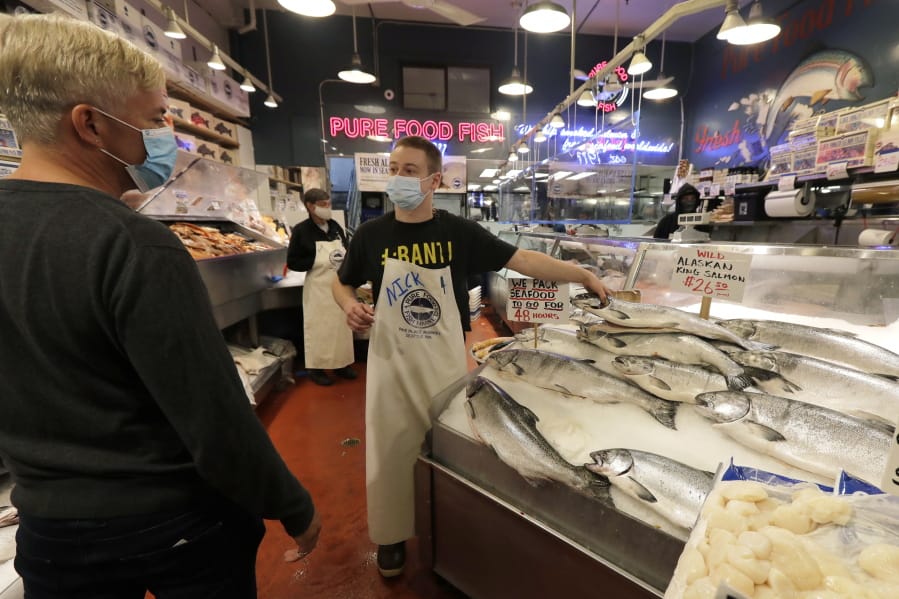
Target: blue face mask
[(162, 152), (405, 192)]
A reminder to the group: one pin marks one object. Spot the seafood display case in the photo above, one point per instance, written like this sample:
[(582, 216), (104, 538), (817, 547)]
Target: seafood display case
[(212, 207), (496, 525)]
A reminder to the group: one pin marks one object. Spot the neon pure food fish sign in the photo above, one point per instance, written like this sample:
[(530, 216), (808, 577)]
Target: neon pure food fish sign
[(463, 131)]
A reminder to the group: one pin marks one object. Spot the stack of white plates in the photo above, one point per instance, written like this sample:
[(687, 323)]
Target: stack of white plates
[(474, 302)]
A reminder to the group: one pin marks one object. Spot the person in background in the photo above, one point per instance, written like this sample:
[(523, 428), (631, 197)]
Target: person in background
[(137, 461), (317, 247), (418, 259), (685, 201)]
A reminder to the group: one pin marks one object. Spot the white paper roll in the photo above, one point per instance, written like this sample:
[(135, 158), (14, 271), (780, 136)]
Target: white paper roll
[(788, 204), (873, 237)]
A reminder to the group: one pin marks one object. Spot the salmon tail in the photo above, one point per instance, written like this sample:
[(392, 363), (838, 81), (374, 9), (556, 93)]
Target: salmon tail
[(665, 412)]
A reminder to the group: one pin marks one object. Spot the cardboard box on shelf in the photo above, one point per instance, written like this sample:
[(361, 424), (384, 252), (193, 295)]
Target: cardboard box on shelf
[(186, 142), (179, 109), (103, 15), (228, 156), (855, 149), (224, 128), (193, 79), (200, 118), (129, 19), (208, 149)]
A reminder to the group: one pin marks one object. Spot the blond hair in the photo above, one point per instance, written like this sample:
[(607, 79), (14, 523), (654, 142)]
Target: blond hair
[(51, 63)]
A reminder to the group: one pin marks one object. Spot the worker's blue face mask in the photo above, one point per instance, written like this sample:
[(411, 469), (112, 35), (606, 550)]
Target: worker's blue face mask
[(162, 152), (405, 192)]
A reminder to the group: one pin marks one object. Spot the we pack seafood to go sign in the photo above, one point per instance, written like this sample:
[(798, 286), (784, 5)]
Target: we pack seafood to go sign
[(710, 272), (536, 300)]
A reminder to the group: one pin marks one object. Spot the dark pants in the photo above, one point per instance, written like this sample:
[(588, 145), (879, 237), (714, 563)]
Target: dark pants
[(208, 553)]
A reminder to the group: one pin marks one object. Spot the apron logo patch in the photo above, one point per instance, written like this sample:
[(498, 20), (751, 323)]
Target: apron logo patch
[(336, 257), (420, 309)]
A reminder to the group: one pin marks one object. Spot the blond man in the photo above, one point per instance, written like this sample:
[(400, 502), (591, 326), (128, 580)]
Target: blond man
[(138, 464)]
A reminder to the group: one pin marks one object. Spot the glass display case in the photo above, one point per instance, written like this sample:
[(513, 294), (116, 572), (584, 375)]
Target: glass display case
[(212, 207), (625, 537)]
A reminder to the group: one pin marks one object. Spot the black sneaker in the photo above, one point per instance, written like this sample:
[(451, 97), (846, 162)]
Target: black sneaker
[(391, 559), (320, 378), (346, 373)]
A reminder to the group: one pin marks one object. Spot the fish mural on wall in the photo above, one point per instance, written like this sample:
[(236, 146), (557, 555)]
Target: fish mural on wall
[(823, 76)]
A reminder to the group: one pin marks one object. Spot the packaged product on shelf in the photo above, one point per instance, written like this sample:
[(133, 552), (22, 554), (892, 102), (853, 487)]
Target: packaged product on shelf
[(870, 116), (781, 161), (855, 149), (804, 161)]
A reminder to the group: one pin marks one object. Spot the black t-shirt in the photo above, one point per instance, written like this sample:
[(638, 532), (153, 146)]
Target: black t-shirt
[(445, 240), (301, 251)]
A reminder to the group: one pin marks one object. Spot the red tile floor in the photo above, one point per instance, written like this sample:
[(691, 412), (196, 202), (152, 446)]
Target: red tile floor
[(310, 426)]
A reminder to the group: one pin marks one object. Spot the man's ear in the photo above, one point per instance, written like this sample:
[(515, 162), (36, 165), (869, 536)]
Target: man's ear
[(437, 179), (87, 124)]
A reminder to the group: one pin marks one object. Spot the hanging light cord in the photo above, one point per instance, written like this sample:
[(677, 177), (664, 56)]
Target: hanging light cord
[(268, 60), (355, 45)]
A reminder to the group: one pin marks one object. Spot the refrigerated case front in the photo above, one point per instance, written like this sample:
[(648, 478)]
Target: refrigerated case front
[(481, 509)]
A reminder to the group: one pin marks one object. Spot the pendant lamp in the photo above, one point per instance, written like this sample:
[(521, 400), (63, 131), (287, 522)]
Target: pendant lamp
[(758, 28), (544, 17), (356, 73), (733, 22), (270, 100), (639, 63), (215, 61), (515, 85), (309, 8), (663, 92), (172, 28), (247, 84), (557, 122)]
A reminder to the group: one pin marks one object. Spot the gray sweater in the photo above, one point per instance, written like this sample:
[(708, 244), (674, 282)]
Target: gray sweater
[(118, 396)]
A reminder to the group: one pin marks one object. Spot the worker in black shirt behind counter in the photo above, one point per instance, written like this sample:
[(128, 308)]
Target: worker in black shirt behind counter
[(317, 247), (685, 201)]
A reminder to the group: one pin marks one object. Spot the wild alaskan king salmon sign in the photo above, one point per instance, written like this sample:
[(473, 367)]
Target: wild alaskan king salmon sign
[(536, 300), (710, 272)]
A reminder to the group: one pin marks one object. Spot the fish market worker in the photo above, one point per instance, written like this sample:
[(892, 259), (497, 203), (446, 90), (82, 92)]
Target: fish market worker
[(686, 200), (137, 460), (417, 259), (317, 247)]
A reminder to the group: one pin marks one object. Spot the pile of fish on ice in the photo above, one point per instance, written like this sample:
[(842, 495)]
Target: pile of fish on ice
[(819, 400)]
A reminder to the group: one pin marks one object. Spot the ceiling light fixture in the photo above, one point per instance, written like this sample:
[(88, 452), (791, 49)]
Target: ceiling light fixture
[(523, 148), (215, 61), (663, 92), (545, 17), (557, 122), (515, 85), (172, 28), (247, 84), (758, 28), (356, 73), (309, 8), (539, 137), (586, 99), (733, 22), (639, 63), (270, 100), (512, 157)]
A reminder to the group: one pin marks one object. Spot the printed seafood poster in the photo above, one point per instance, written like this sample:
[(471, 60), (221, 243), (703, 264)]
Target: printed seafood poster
[(9, 145)]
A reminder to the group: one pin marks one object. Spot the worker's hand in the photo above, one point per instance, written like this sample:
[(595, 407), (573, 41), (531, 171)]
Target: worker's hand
[(305, 542), (596, 286), (360, 316)]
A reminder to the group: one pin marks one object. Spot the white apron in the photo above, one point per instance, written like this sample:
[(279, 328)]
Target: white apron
[(416, 349), (327, 340)]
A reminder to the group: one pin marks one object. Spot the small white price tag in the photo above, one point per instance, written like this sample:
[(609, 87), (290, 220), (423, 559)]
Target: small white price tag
[(886, 163), (890, 482), (836, 171), (786, 182)]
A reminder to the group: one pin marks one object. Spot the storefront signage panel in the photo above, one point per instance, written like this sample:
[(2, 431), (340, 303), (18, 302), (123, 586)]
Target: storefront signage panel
[(830, 54)]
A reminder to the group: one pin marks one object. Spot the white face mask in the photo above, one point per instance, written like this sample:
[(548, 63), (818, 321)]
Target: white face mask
[(405, 192), (323, 212)]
